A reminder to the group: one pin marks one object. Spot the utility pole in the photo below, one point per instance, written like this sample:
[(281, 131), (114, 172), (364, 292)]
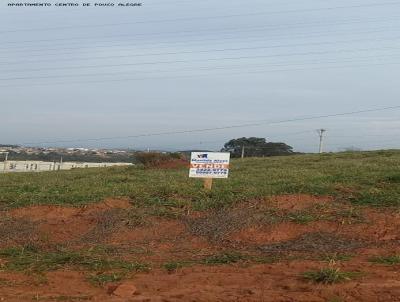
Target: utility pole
[(321, 139), (242, 152)]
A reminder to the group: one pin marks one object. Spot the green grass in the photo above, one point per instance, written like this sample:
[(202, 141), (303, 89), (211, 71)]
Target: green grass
[(173, 266), (302, 217), (372, 177), (329, 275), (104, 278), (387, 260), (31, 260), (224, 258), (337, 257)]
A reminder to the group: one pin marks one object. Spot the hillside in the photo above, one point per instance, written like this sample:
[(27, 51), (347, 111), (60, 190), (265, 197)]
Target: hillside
[(296, 228)]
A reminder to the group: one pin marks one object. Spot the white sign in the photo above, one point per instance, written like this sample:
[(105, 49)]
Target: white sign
[(209, 165)]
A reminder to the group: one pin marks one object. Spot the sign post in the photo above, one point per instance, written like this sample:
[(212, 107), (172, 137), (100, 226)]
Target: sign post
[(208, 184), (209, 165)]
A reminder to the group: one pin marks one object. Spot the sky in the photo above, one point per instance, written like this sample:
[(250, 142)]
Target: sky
[(72, 74)]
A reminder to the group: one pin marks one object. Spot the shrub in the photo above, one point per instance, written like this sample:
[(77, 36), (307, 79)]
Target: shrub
[(151, 159), (329, 275)]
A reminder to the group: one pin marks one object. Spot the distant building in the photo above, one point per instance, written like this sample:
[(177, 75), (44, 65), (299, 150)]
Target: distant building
[(41, 166)]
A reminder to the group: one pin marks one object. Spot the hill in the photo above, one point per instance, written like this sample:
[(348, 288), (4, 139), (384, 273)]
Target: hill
[(294, 228)]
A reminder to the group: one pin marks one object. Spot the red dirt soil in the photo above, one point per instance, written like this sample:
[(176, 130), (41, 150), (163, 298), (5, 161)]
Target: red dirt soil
[(169, 240), (275, 282), (62, 224), (280, 232), (298, 201)]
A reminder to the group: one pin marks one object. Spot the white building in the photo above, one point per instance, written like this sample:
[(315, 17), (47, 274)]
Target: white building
[(41, 166)]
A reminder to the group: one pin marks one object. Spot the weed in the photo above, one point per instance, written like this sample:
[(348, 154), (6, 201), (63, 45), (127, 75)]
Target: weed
[(224, 258), (164, 212), (350, 215), (134, 219), (103, 278), (301, 217), (173, 266), (269, 217), (264, 259), (393, 178), (335, 257), (387, 260), (329, 275)]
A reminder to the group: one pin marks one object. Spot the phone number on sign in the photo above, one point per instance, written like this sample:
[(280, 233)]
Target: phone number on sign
[(212, 171)]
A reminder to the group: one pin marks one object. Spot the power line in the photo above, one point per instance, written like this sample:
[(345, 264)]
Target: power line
[(207, 18), (201, 144), (207, 50), (258, 123), (243, 29), (200, 75), (313, 34), (203, 60), (186, 43), (231, 67)]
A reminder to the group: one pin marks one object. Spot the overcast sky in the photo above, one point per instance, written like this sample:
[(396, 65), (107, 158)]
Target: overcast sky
[(70, 73)]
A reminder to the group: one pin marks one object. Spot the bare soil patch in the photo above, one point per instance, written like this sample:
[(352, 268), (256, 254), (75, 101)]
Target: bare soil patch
[(67, 224), (254, 229), (276, 282), (218, 224), (297, 201), (17, 231), (263, 234)]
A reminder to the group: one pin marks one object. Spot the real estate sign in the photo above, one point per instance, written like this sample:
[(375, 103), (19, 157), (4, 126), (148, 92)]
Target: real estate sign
[(209, 165)]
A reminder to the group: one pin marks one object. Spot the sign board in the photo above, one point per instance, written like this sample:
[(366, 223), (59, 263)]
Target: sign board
[(209, 165)]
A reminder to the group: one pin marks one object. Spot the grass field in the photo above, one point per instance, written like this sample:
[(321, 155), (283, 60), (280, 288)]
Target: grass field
[(272, 231), (368, 178)]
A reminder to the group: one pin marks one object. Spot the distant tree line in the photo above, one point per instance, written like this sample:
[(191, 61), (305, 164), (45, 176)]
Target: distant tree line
[(249, 146)]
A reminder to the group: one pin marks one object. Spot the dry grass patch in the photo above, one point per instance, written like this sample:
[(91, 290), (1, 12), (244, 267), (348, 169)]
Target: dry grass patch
[(16, 231), (109, 221), (217, 225), (319, 242)]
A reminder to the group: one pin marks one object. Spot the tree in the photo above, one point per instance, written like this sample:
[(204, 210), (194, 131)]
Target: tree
[(256, 147)]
